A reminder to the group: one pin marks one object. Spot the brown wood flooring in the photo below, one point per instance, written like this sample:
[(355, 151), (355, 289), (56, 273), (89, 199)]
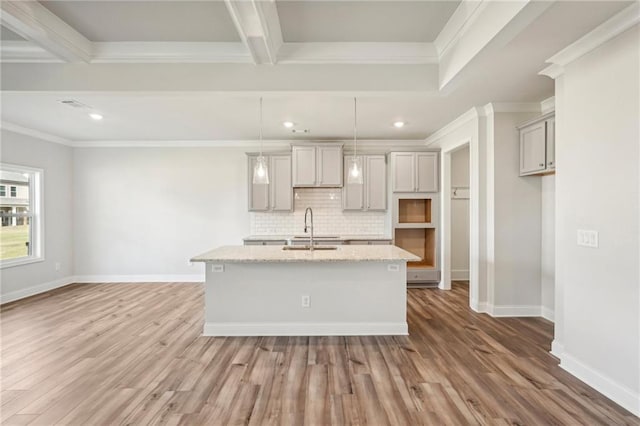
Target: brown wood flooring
[(106, 354)]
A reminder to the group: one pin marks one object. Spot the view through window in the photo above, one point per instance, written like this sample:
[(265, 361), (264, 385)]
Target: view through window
[(18, 213)]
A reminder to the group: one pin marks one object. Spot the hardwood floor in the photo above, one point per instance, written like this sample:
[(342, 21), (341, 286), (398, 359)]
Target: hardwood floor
[(103, 354)]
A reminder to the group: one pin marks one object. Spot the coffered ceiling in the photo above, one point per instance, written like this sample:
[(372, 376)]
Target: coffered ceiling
[(194, 70)]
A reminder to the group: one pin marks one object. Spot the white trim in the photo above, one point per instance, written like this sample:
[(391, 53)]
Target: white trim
[(36, 289), (552, 71), (514, 310), (459, 275), (25, 52), (358, 53), (5, 125), (460, 121), (306, 329), (32, 21), (170, 52), (620, 394), (548, 105), (91, 279), (619, 23), (557, 349), (494, 107), (458, 24), (258, 26), (547, 313), (271, 144), (480, 307)]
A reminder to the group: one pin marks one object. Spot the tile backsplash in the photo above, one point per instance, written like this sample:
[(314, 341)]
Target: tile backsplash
[(328, 217)]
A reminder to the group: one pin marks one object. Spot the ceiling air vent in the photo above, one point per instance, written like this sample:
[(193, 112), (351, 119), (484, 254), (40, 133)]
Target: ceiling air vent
[(74, 104)]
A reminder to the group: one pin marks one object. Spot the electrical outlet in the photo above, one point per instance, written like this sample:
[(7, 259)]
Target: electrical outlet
[(393, 268), (217, 268), (587, 238), (58, 266), (306, 301)]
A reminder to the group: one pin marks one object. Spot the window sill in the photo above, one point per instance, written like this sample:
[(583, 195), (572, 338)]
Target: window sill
[(10, 263)]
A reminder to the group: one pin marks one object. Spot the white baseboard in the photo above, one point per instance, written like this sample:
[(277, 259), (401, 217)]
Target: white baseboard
[(547, 313), (36, 289), (459, 275), (618, 393), (557, 348), (480, 307), (302, 329), (192, 278), (514, 310)]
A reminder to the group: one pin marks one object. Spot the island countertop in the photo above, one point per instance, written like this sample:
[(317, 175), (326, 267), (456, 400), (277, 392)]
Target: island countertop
[(271, 254)]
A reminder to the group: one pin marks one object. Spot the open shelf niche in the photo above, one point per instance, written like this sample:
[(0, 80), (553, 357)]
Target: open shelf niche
[(414, 210), (419, 241)]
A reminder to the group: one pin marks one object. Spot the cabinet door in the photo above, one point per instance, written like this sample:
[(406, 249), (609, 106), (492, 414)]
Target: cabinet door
[(280, 183), (375, 182), (258, 193), (532, 148), (551, 144), (304, 165), (404, 172), (329, 165), (352, 193), (427, 171)]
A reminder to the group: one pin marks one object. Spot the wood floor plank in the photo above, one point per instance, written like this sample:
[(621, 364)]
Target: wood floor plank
[(133, 354)]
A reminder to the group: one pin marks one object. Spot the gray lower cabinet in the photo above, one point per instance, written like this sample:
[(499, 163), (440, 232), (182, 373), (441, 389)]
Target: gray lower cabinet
[(369, 242), (371, 195), (414, 172), (537, 146), (278, 194), (265, 242)]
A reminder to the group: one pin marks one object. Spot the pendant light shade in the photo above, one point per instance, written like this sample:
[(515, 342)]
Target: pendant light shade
[(354, 175), (261, 169)]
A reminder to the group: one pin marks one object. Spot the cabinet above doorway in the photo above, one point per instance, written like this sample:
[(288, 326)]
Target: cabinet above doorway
[(538, 146)]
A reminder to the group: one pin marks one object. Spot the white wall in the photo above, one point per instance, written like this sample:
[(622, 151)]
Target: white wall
[(548, 248), (56, 161), (514, 207), (460, 216), (141, 213), (597, 188)]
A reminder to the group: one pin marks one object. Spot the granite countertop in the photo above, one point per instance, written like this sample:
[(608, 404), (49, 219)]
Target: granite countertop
[(319, 237), (270, 254)]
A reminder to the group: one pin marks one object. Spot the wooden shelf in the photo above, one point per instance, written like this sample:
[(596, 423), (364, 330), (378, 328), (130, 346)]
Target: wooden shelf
[(419, 241), (414, 210)]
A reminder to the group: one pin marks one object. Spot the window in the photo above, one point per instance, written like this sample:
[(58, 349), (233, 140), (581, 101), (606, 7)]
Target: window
[(21, 237)]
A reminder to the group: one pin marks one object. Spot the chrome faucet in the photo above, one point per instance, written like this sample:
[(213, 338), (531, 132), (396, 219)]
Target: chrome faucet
[(308, 210)]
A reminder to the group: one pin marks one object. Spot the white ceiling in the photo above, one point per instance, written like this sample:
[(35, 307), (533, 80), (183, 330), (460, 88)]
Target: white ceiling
[(114, 21), (359, 21), (502, 73)]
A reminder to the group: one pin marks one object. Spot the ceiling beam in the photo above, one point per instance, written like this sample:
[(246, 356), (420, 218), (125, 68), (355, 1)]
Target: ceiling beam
[(34, 22), (258, 26), (358, 53)]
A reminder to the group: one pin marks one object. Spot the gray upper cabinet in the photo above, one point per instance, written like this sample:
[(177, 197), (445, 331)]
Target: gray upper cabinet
[(317, 165), (372, 193), (278, 194), (537, 146), (414, 171)]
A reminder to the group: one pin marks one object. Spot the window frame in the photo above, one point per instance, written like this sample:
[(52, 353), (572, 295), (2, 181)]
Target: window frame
[(3, 190), (36, 222), (13, 191)]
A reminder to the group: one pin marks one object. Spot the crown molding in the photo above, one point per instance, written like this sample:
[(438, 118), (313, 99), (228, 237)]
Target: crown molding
[(170, 52), (358, 53), (548, 105), (34, 22), (496, 107), (458, 24), (11, 127), (472, 114), (258, 26), (619, 23), (244, 144), (25, 52)]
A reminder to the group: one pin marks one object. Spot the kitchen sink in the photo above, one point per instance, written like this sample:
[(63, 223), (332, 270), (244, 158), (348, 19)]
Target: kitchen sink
[(308, 248), (316, 237)]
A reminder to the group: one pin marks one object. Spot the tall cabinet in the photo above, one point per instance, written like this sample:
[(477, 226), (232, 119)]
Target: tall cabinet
[(277, 195), (416, 206)]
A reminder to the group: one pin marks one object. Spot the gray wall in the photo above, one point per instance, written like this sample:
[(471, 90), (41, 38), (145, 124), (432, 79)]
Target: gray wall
[(56, 161), (460, 216)]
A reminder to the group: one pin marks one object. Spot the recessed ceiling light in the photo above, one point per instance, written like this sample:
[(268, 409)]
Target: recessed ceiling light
[(288, 124), (95, 116), (398, 124)]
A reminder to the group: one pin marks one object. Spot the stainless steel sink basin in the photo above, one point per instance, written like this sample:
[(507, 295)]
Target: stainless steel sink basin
[(308, 248), (316, 237)]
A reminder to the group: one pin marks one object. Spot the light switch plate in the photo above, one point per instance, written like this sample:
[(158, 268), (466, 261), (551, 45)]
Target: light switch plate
[(587, 238)]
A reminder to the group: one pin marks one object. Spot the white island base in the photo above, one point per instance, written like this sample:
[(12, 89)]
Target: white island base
[(258, 295)]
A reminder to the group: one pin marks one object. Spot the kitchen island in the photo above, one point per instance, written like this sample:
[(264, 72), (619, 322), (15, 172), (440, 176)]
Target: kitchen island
[(275, 291)]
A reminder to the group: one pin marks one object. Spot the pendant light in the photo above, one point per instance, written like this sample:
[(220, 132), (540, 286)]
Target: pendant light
[(260, 170), (355, 168)]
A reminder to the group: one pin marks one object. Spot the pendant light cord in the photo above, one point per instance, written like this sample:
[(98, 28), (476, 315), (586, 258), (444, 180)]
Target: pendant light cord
[(261, 142), (355, 127)]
